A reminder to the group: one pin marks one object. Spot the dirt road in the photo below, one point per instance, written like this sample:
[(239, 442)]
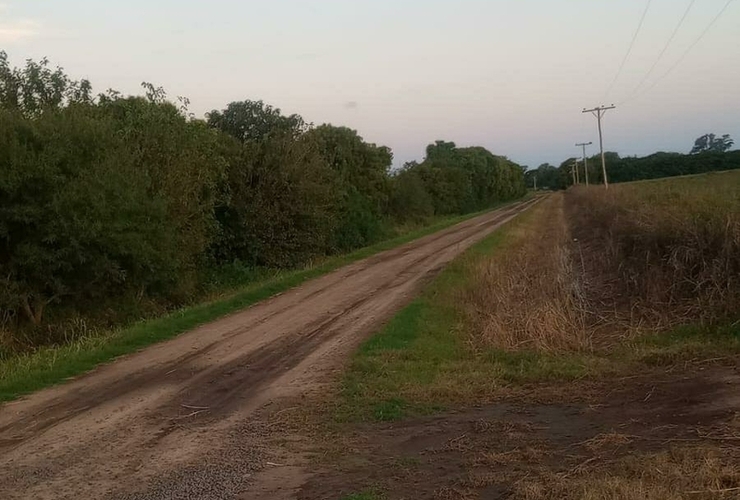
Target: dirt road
[(173, 421)]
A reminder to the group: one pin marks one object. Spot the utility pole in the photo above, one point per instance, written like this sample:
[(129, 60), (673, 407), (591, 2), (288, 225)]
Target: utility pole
[(535, 182), (573, 172), (599, 112), (585, 160)]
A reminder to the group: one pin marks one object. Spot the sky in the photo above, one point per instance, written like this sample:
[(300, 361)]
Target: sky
[(510, 75)]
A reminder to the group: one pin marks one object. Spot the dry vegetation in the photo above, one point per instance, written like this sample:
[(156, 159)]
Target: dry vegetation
[(662, 253), (528, 297), (681, 473), (642, 257)]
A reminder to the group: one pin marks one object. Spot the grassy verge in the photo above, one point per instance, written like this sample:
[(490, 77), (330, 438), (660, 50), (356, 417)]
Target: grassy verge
[(422, 360), (506, 313), (47, 366)]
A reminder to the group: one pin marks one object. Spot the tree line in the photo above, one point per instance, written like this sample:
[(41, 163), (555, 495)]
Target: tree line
[(709, 154), (106, 198)]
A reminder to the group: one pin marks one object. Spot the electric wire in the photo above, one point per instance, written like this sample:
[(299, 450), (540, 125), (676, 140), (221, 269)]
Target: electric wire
[(662, 52), (688, 50), (629, 50)]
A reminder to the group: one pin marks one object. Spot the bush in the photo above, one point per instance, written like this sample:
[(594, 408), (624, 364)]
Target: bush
[(76, 216)]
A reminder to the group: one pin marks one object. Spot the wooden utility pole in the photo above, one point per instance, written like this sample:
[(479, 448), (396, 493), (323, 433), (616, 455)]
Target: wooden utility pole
[(599, 112), (573, 172), (585, 160)]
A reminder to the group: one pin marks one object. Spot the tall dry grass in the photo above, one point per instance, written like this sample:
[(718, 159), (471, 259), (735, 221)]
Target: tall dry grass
[(527, 295), (661, 253)]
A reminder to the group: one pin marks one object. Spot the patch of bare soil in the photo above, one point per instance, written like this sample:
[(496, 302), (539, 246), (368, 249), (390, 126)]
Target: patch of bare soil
[(588, 445)]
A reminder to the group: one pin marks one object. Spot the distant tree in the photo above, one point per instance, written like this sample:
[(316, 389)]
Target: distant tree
[(710, 143), (254, 121), (547, 176), (441, 150)]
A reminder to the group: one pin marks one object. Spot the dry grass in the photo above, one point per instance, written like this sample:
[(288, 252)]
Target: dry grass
[(686, 473), (528, 297), (660, 254)]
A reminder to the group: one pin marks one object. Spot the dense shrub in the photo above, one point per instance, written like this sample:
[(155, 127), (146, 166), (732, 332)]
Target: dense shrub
[(364, 184), (109, 199)]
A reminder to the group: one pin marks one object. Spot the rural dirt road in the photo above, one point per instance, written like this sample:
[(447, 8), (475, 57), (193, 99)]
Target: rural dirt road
[(175, 420)]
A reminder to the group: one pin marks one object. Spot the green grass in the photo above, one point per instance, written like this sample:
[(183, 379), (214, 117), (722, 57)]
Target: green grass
[(685, 344), (26, 373), (365, 495)]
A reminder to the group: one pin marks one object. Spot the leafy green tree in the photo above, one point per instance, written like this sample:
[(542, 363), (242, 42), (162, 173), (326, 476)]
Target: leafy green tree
[(250, 121), (280, 199), (76, 217), (98, 199), (364, 183), (410, 199), (37, 87), (548, 177), (710, 143)]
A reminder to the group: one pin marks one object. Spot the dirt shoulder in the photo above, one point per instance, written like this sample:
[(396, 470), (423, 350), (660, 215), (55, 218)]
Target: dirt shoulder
[(175, 420), (660, 435)]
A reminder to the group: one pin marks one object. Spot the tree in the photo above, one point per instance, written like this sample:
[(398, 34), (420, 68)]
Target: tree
[(98, 198), (255, 120), (548, 177), (37, 87), (280, 199), (364, 183), (76, 215), (410, 199), (710, 143)]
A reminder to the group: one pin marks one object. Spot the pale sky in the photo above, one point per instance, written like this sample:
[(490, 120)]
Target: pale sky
[(511, 75)]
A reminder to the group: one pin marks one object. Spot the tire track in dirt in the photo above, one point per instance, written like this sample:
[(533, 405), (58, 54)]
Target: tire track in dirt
[(135, 420)]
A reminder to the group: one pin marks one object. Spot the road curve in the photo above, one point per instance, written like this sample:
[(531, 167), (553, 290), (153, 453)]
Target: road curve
[(172, 420)]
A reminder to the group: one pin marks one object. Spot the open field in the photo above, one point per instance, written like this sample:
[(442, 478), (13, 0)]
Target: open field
[(552, 361)]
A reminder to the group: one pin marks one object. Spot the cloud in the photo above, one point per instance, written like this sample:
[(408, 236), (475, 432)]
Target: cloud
[(17, 30), (351, 105)]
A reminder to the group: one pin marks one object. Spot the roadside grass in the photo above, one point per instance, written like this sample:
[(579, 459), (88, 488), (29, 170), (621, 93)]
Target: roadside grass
[(508, 313), (423, 360), (29, 372), (679, 473), (688, 343), (365, 495), (664, 253)]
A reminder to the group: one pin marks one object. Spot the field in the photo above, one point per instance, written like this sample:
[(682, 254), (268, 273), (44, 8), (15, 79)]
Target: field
[(587, 351)]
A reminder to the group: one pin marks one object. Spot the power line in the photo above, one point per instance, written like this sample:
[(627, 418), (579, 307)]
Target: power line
[(665, 48), (629, 50), (688, 50)]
